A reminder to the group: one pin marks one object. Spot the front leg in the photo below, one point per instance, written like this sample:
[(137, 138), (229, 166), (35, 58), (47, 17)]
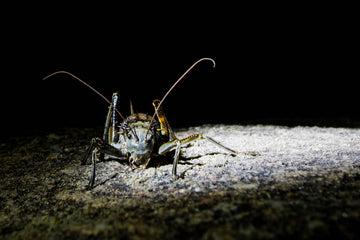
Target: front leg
[(99, 145)]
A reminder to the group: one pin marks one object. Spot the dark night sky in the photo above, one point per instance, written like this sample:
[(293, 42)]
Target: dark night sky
[(271, 64)]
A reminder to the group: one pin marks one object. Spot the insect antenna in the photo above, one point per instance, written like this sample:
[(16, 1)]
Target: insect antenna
[(172, 87), (97, 92), (86, 84)]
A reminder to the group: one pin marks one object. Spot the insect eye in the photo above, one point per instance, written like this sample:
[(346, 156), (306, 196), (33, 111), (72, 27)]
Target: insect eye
[(129, 135)]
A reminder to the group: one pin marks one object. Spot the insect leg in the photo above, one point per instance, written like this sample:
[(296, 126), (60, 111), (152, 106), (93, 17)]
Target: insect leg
[(88, 152), (176, 158), (171, 145), (232, 152), (166, 147), (176, 145), (92, 178), (91, 150), (164, 124), (99, 145), (110, 124)]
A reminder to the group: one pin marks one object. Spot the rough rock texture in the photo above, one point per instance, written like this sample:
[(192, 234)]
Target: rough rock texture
[(305, 184)]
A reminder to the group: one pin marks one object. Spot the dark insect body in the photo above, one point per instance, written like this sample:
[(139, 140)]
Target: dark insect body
[(139, 137)]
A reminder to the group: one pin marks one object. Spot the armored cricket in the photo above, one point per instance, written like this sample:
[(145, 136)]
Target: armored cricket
[(139, 137)]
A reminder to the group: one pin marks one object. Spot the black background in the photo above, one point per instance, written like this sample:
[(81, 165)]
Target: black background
[(293, 65)]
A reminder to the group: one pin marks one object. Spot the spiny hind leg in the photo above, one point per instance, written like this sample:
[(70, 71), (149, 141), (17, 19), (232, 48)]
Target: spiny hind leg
[(171, 145), (176, 145), (222, 146), (109, 134), (232, 152)]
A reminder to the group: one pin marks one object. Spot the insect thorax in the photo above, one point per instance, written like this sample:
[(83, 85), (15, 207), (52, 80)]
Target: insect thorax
[(136, 123)]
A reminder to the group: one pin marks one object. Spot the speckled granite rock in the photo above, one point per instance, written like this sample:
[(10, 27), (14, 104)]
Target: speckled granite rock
[(305, 184)]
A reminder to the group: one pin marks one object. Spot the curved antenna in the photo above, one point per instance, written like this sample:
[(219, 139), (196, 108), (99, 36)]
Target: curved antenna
[(172, 87), (86, 84), (97, 92)]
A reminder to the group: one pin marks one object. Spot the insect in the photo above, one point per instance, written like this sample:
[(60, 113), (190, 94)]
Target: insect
[(139, 137)]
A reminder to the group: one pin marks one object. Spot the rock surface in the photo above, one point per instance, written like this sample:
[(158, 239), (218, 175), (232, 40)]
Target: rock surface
[(304, 184)]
